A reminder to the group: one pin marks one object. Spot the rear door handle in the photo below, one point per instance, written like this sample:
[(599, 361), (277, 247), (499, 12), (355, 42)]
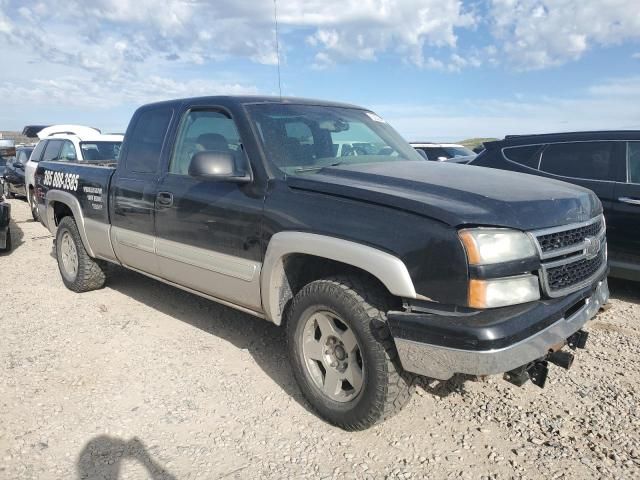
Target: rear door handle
[(164, 199), (630, 201)]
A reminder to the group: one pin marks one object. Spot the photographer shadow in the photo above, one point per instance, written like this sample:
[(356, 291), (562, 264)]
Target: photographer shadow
[(102, 458)]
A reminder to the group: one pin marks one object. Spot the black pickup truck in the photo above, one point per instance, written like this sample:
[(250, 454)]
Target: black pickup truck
[(382, 266)]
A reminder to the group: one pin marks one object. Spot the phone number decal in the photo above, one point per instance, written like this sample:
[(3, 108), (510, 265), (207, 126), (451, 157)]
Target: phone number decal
[(65, 181)]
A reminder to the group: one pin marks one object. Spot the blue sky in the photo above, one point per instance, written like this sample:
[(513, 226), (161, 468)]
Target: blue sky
[(435, 69)]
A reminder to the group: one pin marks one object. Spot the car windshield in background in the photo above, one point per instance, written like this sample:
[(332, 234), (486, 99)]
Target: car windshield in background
[(458, 152), (100, 151), (301, 139)]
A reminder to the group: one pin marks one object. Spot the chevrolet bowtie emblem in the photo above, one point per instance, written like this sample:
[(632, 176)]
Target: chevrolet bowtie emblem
[(592, 247)]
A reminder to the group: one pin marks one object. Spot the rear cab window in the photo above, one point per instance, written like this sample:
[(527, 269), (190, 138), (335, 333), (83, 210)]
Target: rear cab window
[(100, 151), (147, 139)]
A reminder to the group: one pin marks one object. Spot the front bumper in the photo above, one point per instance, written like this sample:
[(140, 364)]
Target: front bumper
[(491, 342)]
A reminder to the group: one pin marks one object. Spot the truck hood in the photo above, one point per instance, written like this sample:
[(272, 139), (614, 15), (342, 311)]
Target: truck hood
[(458, 194)]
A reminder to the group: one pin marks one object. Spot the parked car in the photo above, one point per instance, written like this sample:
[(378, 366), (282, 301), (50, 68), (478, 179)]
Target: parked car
[(445, 152), (69, 143), (14, 172), (7, 153), (380, 266), (5, 230), (607, 162)]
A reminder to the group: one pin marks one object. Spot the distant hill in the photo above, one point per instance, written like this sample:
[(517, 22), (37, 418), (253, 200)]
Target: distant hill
[(475, 142), (16, 136)]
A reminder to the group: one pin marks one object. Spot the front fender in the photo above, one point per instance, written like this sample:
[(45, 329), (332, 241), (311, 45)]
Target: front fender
[(390, 270)]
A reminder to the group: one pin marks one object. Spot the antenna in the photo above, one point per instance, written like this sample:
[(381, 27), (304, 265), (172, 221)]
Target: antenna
[(275, 17)]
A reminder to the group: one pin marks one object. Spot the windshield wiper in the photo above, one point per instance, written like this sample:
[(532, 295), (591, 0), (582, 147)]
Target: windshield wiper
[(315, 168)]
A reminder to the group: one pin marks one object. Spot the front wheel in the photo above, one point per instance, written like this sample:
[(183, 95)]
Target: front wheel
[(342, 354), (79, 271)]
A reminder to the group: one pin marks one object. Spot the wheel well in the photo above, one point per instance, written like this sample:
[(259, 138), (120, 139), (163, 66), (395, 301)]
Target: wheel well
[(61, 210), (301, 269)]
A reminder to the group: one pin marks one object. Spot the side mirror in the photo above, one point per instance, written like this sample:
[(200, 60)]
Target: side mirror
[(422, 153), (18, 165), (212, 165)]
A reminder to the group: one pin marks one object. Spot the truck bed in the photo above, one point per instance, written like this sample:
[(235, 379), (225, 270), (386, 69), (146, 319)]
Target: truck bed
[(88, 182)]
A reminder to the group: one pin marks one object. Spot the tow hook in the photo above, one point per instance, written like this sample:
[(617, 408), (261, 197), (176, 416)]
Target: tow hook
[(561, 359), (578, 340), (536, 371)]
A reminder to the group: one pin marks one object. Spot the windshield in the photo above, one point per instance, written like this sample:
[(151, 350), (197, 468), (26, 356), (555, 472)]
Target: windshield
[(100, 151), (458, 152), (302, 139)]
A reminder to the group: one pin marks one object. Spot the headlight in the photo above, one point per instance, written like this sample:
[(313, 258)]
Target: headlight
[(495, 245), (499, 292)]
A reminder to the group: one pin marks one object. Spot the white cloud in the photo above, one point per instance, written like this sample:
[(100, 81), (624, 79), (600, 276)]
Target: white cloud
[(83, 91), (536, 34), (360, 30), (605, 106)]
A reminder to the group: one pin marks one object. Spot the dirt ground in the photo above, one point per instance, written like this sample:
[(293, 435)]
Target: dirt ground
[(140, 380)]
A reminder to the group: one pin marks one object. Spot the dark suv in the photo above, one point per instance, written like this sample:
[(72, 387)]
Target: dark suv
[(606, 162)]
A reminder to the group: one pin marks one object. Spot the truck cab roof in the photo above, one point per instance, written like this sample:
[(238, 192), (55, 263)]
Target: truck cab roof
[(225, 100)]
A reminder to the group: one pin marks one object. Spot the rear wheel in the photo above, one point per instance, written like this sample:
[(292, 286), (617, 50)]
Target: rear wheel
[(79, 271), (33, 204), (342, 354), (7, 242)]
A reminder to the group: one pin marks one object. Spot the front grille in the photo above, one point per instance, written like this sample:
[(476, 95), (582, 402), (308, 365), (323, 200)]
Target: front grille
[(575, 273), (568, 261), (568, 238)]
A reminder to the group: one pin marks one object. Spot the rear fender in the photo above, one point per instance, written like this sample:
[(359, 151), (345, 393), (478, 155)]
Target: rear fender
[(70, 201)]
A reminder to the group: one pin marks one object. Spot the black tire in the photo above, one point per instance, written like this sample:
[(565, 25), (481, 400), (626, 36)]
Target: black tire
[(33, 205), (8, 244), (90, 273), (362, 307)]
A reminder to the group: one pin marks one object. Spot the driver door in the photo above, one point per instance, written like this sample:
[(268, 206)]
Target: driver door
[(208, 231)]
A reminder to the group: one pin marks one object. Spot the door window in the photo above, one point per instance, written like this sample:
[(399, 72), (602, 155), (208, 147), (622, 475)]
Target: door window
[(587, 160), (68, 152), (203, 130), (37, 152), (146, 140), (22, 157), (51, 150), (633, 162), (527, 155)]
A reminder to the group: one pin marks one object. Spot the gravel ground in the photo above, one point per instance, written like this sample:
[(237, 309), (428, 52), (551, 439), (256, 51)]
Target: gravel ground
[(140, 380)]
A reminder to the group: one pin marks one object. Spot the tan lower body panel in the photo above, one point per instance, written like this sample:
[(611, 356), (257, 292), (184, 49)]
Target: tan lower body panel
[(225, 277)]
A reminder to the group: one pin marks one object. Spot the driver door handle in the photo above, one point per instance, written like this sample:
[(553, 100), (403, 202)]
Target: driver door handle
[(164, 199), (630, 201)]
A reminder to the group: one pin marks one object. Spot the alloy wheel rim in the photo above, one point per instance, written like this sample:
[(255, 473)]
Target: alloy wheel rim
[(332, 356), (69, 255)]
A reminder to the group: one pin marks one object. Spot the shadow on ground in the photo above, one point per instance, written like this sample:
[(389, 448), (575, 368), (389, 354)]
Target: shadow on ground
[(624, 290), (264, 341), (102, 457)]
